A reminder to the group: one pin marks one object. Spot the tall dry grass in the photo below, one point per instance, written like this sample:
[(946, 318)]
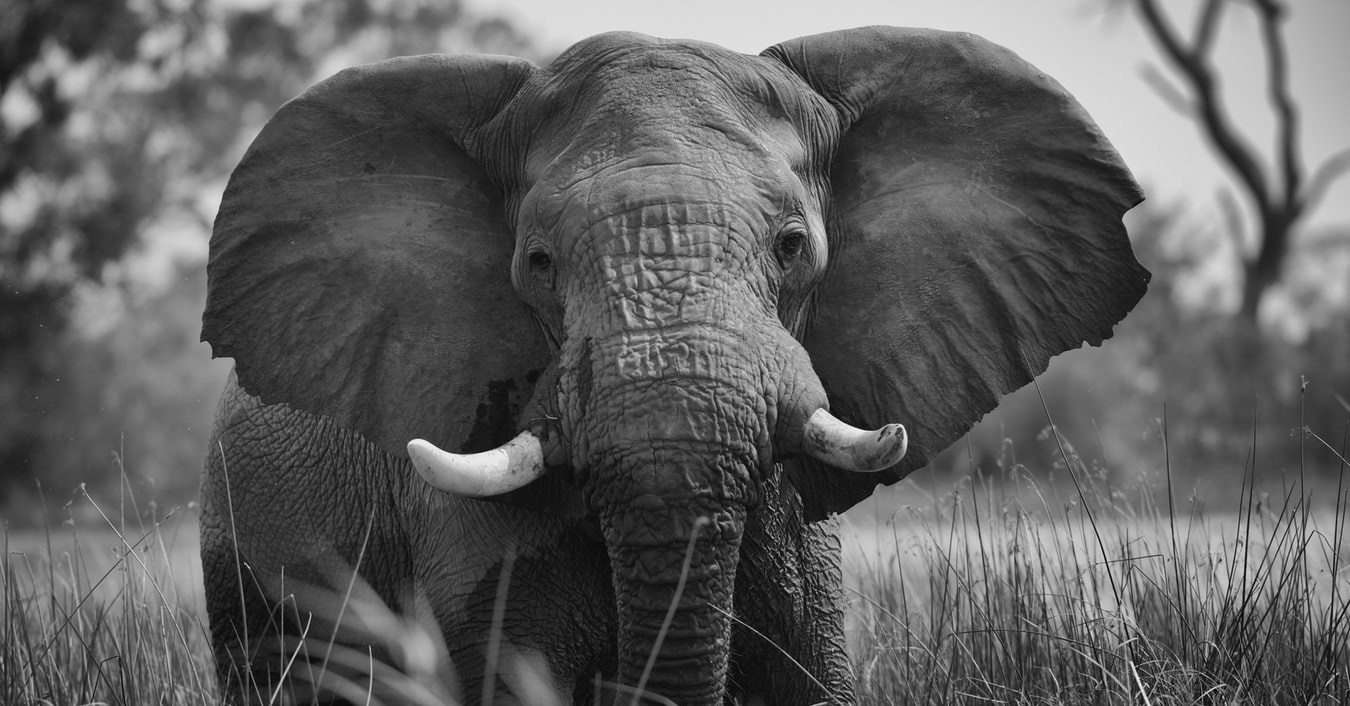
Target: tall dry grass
[(1009, 590), (104, 614), (1020, 592)]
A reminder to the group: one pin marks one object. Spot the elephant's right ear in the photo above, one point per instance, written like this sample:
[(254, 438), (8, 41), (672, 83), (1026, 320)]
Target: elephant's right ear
[(975, 232), (360, 264)]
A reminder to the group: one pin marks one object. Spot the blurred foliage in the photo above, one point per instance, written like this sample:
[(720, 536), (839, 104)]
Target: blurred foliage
[(120, 121), (1236, 393), (1227, 393), (138, 395)]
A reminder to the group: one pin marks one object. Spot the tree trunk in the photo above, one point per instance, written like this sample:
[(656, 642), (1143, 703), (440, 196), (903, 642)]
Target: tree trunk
[(1263, 271)]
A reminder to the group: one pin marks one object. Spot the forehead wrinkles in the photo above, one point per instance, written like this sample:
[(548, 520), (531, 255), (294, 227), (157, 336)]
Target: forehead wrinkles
[(628, 93), (682, 100), (655, 210), (646, 126), (664, 190)]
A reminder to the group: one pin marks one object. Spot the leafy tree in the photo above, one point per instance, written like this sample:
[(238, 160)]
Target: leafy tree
[(73, 186)]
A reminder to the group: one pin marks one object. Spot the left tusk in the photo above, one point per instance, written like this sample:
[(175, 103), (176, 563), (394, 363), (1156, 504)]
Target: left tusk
[(501, 470), (842, 445)]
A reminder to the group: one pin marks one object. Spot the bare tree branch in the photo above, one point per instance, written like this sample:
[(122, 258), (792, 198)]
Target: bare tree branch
[(1204, 26), (1234, 150), (1272, 13), (1278, 194), (1164, 33), (1170, 94)]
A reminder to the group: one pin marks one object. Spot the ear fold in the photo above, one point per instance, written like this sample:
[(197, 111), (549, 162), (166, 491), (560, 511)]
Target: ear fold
[(360, 264), (975, 233)]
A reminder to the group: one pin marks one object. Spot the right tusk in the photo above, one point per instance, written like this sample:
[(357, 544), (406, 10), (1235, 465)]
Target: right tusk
[(845, 446), (501, 470)]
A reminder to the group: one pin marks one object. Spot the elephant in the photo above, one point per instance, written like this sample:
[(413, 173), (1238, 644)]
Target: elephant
[(573, 367)]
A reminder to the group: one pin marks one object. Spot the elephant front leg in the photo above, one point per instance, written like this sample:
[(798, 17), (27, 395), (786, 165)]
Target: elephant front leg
[(822, 628), (788, 644), (524, 601)]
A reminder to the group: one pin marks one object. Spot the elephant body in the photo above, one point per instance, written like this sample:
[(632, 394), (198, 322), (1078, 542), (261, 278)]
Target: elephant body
[(550, 380), (559, 603)]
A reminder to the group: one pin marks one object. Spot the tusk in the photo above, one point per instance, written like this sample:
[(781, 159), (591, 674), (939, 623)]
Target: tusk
[(501, 470), (842, 445)]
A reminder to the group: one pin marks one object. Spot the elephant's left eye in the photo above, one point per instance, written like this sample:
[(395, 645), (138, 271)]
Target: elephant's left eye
[(790, 245), (540, 269), (540, 260)]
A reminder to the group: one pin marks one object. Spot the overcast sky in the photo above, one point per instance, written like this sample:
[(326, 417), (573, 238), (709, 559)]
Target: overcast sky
[(1097, 55)]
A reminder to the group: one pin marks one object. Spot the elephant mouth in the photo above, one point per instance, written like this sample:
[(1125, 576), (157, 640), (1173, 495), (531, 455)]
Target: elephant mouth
[(520, 461)]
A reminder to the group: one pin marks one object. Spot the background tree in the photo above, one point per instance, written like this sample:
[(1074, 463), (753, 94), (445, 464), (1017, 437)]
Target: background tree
[(1281, 195), (73, 187)]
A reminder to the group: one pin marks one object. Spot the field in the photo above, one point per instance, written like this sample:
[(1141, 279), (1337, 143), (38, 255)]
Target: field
[(980, 599), (991, 591), (102, 612)]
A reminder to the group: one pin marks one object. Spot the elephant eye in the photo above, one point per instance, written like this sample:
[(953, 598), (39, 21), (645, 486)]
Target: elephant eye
[(541, 271), (540, 260), (789, 246)]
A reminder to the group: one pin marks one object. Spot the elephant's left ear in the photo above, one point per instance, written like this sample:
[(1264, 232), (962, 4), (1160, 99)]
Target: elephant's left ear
[(975, 233), (360, 264)]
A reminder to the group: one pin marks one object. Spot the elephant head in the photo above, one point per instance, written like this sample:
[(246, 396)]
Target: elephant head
[(676, 269)]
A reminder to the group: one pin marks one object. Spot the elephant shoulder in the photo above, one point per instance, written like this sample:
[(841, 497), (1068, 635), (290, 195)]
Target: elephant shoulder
[(271, 438)]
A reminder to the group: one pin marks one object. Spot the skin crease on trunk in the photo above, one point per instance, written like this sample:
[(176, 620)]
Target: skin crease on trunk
[(623, 259)]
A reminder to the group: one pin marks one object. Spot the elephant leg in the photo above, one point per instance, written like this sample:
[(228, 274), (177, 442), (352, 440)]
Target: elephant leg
[(822, 629), (291, 508), (238, 612), (525, 601), (789, 645)]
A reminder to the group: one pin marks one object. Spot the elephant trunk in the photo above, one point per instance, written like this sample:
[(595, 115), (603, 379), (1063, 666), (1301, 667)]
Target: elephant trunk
[(674, 575), (672, 432)]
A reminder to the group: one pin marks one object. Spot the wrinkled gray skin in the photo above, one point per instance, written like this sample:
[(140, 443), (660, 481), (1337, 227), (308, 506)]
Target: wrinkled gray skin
[(561, 601), (661, 257)]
